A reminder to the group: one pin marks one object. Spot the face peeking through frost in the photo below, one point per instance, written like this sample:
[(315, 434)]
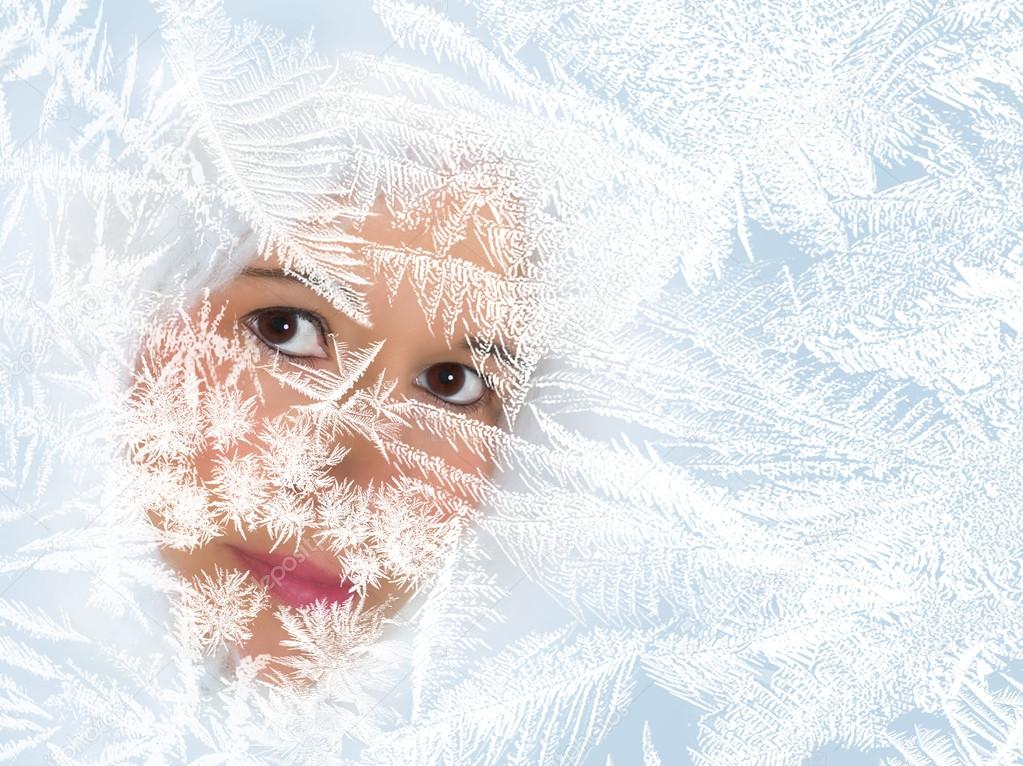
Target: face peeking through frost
[(307, 467)]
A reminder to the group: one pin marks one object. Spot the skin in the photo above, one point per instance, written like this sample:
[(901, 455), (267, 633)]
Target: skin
[(412, 345)]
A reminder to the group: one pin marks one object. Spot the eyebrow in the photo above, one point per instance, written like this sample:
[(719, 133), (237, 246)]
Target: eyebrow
[(478, 345), (294, 276), (496, 350), (299, 277)]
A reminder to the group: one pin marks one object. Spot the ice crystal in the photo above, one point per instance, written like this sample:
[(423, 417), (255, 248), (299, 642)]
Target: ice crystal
[(222, 606), (610, 382)]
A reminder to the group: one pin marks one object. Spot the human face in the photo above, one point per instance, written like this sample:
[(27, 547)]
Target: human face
[(314, 481)]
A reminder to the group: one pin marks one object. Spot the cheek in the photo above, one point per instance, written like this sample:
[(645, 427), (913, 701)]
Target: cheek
[(250, 385), (461, 458), (269, 402)]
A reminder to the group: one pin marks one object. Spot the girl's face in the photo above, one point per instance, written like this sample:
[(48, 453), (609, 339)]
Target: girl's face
[(310, 484)]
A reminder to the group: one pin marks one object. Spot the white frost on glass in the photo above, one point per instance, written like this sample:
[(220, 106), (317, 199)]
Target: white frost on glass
[(758, 497)]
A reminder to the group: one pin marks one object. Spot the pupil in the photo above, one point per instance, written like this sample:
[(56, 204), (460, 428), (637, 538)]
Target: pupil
[(448, 378), (277, 326)]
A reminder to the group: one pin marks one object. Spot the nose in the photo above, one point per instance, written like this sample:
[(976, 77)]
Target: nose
[(364, 463), (367, 421)]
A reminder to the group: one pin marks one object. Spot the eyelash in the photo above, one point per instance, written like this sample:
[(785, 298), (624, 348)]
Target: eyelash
[(249, 319)]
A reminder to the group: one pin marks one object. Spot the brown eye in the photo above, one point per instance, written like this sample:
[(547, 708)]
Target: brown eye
[(454, 383), (291, 331), (277, 326)]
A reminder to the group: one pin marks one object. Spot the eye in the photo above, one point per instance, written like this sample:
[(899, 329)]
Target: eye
[(454, 383), (291, 331)]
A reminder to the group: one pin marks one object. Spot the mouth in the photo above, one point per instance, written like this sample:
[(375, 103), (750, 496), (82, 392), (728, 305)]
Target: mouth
[(294, 580)]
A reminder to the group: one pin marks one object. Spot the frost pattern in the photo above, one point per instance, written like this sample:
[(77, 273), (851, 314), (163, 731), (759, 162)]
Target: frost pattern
[(745, 281)]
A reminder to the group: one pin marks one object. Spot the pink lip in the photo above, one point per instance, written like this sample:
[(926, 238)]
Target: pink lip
[(294, 581)]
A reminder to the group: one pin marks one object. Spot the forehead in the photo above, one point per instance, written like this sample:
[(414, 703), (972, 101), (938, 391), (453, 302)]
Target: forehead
[(483, 228), (468, 244)]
